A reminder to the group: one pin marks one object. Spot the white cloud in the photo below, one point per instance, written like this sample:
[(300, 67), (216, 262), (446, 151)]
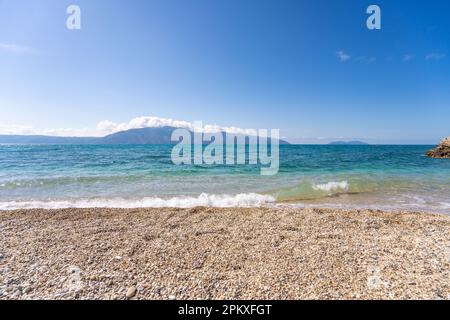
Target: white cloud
[(407, 57), (13, 129), (62, 132), (106, 127), (18, 49), (141, 122), (342, 56), (434, 56)]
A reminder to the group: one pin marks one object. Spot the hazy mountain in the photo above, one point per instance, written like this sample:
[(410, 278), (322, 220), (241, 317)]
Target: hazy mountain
[(28, 139), (160, 135), (348, 143)]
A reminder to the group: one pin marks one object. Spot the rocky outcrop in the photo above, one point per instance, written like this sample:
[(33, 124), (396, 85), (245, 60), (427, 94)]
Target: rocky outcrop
[(442, 150)]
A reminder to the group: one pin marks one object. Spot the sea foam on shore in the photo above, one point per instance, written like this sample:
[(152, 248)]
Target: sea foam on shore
[(242, 200)]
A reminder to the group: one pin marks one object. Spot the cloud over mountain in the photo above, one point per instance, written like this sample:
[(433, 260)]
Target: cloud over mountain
[(106, 127)]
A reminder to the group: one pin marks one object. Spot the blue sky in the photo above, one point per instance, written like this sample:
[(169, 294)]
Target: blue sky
[(310, 68)]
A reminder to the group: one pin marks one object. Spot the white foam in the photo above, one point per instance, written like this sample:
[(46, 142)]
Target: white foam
[(203, 200), (332, 187), (445, 205)]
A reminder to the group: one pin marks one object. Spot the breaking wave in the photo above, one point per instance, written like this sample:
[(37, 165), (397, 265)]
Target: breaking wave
[(308, 190), (203, 200), (332, 187)]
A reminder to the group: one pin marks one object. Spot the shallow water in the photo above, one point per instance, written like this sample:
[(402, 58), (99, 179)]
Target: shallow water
[(385, 177)]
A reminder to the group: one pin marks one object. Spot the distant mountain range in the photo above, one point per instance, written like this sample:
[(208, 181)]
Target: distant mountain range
[(348, 143), (159, 135)]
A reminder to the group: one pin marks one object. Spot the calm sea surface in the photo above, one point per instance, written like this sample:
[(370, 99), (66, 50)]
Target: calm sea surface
[(385, 177)]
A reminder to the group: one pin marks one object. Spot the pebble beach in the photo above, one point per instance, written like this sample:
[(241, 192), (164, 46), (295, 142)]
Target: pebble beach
[(228, 253)]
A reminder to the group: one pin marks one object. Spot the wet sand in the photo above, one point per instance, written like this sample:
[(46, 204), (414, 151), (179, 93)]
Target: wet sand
[(236, 253)]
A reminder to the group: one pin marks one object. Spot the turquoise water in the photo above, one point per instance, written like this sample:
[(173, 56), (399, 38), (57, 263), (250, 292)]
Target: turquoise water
[(385, 177)]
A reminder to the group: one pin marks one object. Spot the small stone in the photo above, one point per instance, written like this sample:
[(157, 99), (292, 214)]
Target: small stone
[(171, 297), (131, 292)]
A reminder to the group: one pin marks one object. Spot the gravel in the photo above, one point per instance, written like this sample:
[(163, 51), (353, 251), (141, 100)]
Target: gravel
[(236, 253)]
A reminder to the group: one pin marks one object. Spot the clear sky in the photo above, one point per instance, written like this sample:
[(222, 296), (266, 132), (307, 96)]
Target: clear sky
[(310, 68)]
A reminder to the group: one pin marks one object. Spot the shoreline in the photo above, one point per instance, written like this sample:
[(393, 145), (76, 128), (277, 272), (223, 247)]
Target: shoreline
[(224, 253), (282, 205)]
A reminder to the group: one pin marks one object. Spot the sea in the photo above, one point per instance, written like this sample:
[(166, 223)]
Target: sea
[(386, 177)]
